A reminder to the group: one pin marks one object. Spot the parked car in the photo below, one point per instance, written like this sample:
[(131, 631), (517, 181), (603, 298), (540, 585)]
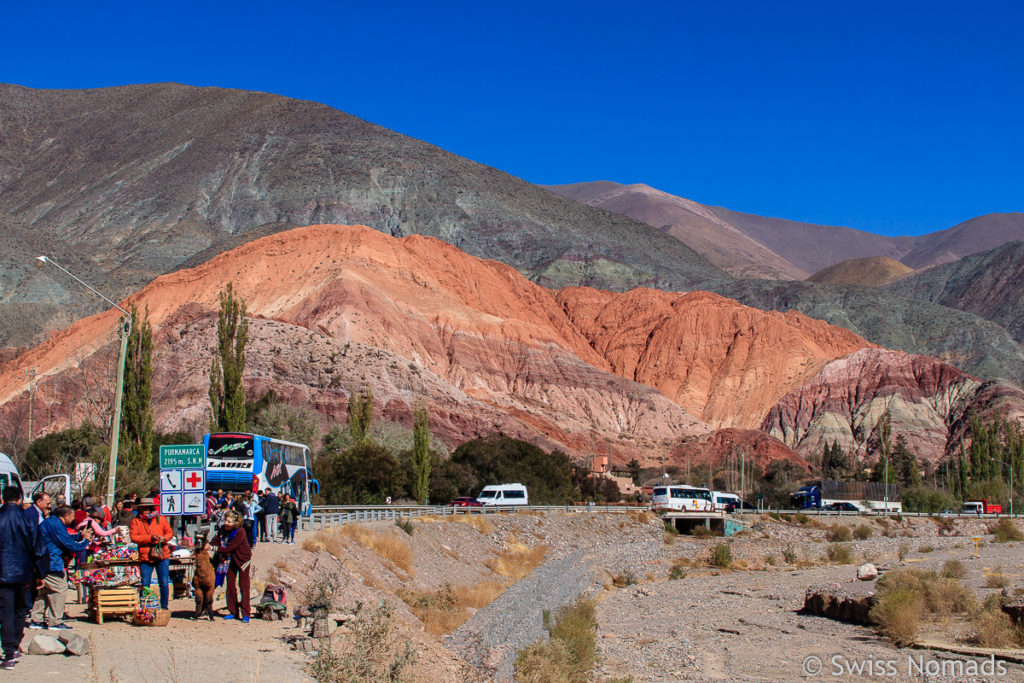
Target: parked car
[(466, 502), (843, 507)]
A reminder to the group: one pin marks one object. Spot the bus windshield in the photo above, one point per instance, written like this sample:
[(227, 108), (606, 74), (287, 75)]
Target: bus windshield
[(230, 447)]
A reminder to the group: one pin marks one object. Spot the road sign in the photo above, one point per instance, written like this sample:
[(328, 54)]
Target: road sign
[(170, 481), (170, 503), (186, 455), (195, 504), (194, 480)]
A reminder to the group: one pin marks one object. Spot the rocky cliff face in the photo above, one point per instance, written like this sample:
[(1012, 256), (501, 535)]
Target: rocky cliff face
[(723, 362), (925, 397)]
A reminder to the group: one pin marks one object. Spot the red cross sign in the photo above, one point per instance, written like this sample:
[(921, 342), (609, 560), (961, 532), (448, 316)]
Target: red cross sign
[(195, 480)]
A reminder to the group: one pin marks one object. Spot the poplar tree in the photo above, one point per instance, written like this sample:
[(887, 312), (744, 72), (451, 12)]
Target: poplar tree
[(360, 415), (137, 398), (227, 393), (421, 454)]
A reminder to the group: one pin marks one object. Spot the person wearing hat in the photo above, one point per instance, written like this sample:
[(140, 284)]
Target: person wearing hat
[(151, 532)]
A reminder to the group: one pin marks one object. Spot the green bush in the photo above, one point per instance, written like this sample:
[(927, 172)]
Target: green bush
[(838, 553), (569, 654), (922, 499), (954, 569), (405, 525), (721, 556), (1005, 531), (789, 554), (677, 572)]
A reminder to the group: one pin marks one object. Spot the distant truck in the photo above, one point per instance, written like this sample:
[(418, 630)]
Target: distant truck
[(862, 495), (981, 507)]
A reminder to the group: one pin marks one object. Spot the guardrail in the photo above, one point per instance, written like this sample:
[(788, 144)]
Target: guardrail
[(329, 516)]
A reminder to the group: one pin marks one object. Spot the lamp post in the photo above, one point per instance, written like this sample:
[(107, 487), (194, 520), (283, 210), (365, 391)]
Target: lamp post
[(124, 330)]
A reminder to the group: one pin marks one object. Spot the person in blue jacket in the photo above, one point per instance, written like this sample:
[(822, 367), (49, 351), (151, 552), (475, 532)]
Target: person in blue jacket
[(22, 561), (54, 590)]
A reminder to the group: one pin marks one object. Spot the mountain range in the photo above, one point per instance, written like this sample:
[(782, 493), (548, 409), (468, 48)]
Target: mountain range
[(630, 317), (335, 309), (773, 248)]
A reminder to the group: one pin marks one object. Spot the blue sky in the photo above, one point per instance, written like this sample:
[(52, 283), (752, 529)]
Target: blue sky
[(898, 118)]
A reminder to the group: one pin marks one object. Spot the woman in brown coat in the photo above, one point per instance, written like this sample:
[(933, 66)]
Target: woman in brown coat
[(233, 543)]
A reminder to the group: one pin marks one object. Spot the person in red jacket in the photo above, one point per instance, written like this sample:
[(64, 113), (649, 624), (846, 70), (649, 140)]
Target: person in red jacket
[(233, 543), (151, 532)]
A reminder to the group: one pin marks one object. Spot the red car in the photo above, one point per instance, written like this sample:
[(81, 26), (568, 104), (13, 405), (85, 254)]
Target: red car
[(466, 502)]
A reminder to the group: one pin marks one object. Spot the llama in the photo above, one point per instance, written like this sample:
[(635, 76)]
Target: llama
[(204, 580)]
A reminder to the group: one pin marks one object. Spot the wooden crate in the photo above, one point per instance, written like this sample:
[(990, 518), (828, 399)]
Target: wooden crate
[(113, 602)]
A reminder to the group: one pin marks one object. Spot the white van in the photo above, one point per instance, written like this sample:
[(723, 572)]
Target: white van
[(57, 484), (504, 494), (723, 501)]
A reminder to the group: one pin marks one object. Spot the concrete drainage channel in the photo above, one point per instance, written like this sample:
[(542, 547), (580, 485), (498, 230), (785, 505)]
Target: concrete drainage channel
[(493, 636)]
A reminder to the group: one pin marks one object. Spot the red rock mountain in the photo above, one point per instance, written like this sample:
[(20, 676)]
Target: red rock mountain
[(928, 401), (336, 307)]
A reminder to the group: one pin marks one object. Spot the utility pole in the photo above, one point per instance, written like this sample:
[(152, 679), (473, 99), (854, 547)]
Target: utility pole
[(31, 372), (742, 468)]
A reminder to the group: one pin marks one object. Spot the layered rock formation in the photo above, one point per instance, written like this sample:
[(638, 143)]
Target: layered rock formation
[(723, 362), (925, 398), (414, 318)]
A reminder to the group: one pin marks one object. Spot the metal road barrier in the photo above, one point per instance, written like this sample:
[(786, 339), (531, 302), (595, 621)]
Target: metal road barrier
[(329, 516)]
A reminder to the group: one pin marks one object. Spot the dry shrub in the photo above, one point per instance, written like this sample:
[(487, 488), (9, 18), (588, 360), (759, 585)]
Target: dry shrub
[(924, 549), (995, 578), (373, 651), (699, 531), (839, 534), (624, 579), (941, 595), (518, 561), (438, 610), (863, 532), (954, 569), (1005, 531), (479, 594), (837, 553), (569, 654), (329, 541), (739, 564), (641, 516), (478, 522), (387, 546), (897, 614), (994, 628)]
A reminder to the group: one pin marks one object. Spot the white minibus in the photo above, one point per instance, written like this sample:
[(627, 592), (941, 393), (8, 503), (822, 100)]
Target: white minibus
[(682, 498)]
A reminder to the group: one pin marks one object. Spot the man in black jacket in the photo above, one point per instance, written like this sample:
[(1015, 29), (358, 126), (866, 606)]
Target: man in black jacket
[(22, 562)]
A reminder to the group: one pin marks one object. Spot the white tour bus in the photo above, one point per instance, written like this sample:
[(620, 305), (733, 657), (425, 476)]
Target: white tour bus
[(504, 494), (683, 498)]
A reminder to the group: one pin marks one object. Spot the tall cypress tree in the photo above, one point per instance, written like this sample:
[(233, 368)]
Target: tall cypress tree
[(360, 415), (227, 393), (136, 403), (421, 454)]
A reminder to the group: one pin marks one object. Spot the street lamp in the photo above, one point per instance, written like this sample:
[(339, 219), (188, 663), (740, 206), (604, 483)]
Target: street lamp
[(124, 331)]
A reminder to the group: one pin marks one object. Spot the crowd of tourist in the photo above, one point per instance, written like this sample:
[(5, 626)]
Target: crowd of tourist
[(42, 540)]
